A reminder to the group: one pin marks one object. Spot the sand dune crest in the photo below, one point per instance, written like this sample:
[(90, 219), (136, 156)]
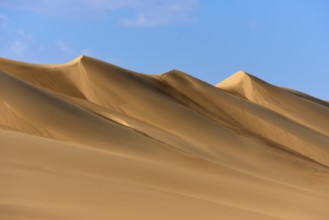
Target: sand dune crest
[(90, 140)]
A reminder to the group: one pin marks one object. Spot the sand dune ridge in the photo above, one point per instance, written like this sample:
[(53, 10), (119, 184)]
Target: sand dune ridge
[(90, 140)]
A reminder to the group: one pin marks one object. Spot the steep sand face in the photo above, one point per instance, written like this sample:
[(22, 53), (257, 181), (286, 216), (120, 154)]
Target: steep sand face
[(300, 109), (90, 140)]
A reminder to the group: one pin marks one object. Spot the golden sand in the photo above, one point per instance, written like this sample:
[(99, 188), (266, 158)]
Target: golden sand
[(89, 140)]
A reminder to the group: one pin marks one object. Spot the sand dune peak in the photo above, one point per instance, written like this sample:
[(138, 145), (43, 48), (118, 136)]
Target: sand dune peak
[(90, 140)]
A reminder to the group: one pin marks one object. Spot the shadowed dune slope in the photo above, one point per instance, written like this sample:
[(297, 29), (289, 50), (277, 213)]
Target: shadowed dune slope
[(91, 140)]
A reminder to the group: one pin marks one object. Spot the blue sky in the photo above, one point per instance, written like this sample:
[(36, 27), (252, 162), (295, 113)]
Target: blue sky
[(285, 42)]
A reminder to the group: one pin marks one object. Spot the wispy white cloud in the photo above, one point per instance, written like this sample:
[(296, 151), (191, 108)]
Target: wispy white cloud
[(161, 14), (18, 43), (18, 47), (87, 51), (64, 47), (24, 35), (144, 13), (21, 45), (253, 25), (3, 20)]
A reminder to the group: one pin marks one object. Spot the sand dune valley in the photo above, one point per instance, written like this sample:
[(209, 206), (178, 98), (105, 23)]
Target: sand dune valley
[(92, 141)]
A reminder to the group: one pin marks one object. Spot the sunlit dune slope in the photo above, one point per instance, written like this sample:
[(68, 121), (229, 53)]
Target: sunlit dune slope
[(90, 140)]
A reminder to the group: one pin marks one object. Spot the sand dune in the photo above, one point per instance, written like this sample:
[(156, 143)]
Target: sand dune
[(90, 140)]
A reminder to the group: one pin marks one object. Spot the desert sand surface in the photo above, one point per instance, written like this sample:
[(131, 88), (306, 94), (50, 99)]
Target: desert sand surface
[(90, 140)]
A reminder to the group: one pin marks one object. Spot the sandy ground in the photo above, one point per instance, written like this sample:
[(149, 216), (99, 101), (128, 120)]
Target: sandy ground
[(90, 140)]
